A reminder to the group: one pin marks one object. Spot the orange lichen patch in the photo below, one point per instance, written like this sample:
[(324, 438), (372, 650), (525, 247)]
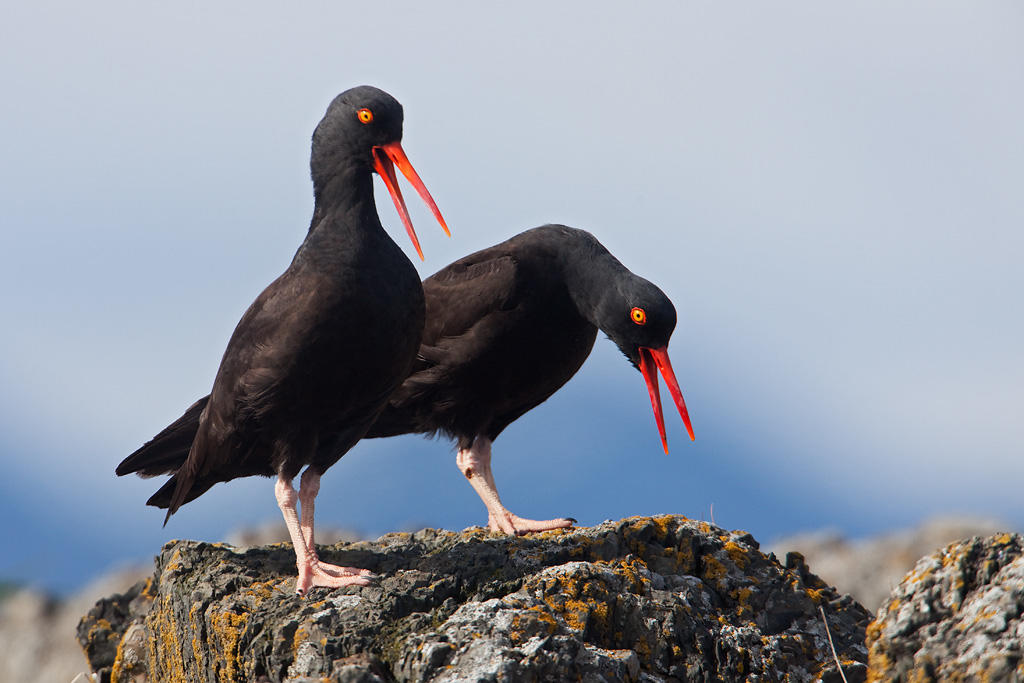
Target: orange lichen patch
[(100, 624), (684, 557), (196, 624), (631, 570), (713, 569), (919, 675), (738, 555), (954, 554), (815, 594), (663, 524), (581, 602), (173, 564), (1003, 539), (301, 636), (578, 613), (225, 633), (166, 657), (917, 576), (526, 622), (742, 598), (545, 617), (582, 548), (260, 590), (551, 534), (879, 668), (650, 528), (117, 668), (985, 614), (475, 533)]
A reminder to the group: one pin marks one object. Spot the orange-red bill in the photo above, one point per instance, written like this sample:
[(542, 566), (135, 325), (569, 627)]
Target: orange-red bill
[(649, 358), (397, 155), (647, 368), (382, 164)]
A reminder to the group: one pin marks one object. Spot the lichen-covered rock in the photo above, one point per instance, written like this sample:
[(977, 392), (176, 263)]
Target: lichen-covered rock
[(643, 599), (957, 616), (868, 568)]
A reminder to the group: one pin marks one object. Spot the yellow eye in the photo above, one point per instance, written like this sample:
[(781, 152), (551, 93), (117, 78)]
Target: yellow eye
[(365, 115), (638, 316)]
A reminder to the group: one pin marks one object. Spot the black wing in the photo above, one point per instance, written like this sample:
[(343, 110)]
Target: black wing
[(251, 390), (167, 451), (464, 300)]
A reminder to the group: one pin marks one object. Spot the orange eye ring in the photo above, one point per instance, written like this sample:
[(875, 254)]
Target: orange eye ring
[(365, 115), (638, 315)]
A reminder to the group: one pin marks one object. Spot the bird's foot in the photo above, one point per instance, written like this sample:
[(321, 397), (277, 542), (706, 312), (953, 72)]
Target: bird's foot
[(514, 525), (317, 573)]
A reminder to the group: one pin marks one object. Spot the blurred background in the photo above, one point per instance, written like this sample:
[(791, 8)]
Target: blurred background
[(831, 194)]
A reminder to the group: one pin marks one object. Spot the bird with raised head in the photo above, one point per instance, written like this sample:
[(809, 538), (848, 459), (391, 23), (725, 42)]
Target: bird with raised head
[(315, 357)]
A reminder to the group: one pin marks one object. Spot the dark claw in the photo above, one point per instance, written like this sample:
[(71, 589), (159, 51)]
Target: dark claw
[(571, 519)]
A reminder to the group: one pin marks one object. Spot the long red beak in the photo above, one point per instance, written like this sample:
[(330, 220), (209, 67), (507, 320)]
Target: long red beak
[(649, 359), (385, 158)]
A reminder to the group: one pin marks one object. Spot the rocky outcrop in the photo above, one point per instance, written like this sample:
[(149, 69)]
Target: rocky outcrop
[(957, 616), (643, 599), (869, 569)]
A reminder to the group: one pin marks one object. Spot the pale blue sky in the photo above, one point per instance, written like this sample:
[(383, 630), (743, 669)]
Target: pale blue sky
[(830, 193)]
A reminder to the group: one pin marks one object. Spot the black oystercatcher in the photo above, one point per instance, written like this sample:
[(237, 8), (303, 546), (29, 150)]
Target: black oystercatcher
[(315, 357), (509, 325)]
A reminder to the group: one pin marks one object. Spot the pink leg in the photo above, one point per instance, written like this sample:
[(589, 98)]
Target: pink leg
[(312, 572), (475, 463), (309, 487)]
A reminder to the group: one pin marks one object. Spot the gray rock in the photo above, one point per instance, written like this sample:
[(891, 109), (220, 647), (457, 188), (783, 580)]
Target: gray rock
[(956, 616), (869, 569), (643, 599)]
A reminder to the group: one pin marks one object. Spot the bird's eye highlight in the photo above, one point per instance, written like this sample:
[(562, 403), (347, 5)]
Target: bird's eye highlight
[(365, 115), (638, 316)]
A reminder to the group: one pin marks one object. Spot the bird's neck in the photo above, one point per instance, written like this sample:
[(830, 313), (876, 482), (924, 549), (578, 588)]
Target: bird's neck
[(348, 188), (344, 221), (343, 202), (592, 276)]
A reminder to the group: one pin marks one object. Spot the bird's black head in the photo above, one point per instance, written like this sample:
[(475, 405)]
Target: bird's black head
[(356, 121), (362, 132), (637, 314), (640, 319)]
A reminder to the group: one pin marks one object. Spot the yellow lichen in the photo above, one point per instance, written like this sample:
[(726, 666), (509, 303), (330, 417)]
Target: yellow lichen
[(166, 657), (631, 571), (195, 622), (742, 597), (737, 554), (225, 633), (713, 569), (118, 666), (301, 636)]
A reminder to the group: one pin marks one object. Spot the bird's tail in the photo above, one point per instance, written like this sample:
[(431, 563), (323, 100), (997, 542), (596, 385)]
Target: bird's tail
[(166, 452), (165, 496)]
